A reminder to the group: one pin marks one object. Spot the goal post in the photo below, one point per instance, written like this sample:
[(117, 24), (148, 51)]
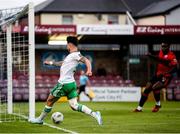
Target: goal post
[(18, 53), (9, 68), (31, 61)]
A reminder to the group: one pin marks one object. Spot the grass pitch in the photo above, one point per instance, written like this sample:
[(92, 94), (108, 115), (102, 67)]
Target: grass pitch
[(117, 118)]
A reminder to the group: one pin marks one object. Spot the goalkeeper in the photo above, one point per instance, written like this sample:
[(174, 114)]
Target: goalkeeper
[(167, 66), (66, 85)]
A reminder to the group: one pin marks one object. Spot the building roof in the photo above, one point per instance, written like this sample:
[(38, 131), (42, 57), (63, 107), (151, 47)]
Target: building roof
[(43, 5), (159, 7), (82, 6), (138, 8)]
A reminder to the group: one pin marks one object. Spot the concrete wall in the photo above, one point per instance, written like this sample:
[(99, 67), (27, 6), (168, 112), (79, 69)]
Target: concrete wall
[(56, 19), (171, 18), (51, 19), (154, 20)]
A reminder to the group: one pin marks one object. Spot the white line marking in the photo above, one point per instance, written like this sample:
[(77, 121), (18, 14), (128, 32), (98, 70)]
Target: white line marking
[(62, 129), (49, 125)]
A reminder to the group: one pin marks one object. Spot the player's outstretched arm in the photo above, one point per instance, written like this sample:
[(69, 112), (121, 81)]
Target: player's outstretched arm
[(53, 63), (88, 65)]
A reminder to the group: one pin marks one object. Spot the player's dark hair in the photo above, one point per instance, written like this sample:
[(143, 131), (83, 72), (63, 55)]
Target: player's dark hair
[(73, 40)]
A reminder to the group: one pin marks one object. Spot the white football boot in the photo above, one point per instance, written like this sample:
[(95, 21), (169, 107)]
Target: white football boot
[(36, 121), (98, 117)]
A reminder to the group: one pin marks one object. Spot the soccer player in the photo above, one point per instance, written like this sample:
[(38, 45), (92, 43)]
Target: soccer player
[(66, 85), (84, 80), (167, 66)]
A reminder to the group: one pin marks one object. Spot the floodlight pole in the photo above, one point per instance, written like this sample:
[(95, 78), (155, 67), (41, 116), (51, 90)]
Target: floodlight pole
[(31, 61), (9, 68)]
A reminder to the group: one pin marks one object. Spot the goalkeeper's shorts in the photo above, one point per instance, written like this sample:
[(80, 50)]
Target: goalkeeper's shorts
[(69, 90)]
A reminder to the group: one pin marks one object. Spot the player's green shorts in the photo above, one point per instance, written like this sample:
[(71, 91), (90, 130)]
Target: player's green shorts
[(69, 90)]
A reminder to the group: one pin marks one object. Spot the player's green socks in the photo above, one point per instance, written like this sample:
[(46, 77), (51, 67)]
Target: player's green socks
[(47, 109), (84, 109), (44, 113), (79, 108), (88, 111)]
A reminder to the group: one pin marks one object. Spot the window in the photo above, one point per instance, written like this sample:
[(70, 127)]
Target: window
[(138, 49), (113, 19), (173, 47), (67, 19)]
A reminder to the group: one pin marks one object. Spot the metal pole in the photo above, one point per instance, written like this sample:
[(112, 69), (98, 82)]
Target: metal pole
[(9, 68), (31, 61)]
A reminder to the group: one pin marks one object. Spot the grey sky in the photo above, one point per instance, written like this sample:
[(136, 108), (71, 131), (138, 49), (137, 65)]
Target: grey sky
[(16, 3)]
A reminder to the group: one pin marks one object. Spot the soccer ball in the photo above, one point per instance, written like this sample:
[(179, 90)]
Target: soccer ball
[(57, 117)]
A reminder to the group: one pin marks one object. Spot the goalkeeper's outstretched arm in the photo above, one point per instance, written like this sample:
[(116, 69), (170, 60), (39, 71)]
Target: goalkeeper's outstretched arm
[(54, 63)]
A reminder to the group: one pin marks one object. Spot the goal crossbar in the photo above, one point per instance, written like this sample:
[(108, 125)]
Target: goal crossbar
[(13, 17)]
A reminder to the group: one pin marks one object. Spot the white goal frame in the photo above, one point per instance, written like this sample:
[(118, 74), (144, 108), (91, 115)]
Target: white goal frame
[(31, 40)]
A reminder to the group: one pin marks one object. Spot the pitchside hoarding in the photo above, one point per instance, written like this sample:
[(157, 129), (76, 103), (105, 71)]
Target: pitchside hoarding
[(157, 30), (105, 29), (101, 29), (52, 29), (113, 94)]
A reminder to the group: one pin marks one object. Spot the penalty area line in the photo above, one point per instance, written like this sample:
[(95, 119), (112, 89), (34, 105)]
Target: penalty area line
[(49, 125)]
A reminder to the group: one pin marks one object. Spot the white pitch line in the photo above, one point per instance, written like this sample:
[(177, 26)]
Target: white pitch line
[(52, 126), (62, 129)]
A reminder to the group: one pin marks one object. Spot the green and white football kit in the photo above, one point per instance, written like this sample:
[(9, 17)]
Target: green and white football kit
[(67, 87), (69, 90), (66, 84)]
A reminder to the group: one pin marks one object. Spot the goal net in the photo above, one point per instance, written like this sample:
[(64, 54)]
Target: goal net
[(17, 65)]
